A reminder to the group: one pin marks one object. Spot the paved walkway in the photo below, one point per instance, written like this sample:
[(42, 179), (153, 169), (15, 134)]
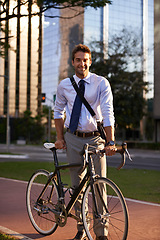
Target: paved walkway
[(144, 217)]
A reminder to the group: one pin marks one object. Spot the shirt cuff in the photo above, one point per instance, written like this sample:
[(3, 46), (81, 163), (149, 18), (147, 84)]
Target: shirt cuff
[(58, 115), (108, 122)]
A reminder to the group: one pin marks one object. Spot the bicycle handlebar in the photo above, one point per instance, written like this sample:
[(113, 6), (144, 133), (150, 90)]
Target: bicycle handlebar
[(120, 149), (123, 150)]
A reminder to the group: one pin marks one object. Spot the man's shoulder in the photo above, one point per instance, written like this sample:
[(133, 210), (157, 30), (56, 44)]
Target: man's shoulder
[(97, 77), (65, 81), (64, 84)]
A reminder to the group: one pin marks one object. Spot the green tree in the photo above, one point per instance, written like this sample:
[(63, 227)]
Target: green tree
[(28, 128), (45, 112), (5, 15), (121, 65)]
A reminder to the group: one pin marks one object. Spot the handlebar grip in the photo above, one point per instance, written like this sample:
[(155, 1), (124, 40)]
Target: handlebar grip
[(120, 149)]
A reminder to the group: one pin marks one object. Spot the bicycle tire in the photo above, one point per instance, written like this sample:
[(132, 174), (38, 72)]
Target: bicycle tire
[(42, 219), (113, 224)]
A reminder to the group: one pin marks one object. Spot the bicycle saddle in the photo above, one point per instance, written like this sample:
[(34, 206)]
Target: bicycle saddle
[(49, 145)]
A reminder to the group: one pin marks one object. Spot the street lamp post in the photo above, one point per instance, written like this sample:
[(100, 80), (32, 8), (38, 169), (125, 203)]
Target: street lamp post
[(43, 99), (49, 124)]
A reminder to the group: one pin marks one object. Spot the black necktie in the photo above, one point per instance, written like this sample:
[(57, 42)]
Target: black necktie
[(76, 109)]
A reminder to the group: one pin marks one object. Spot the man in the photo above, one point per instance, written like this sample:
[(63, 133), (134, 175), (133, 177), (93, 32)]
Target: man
[(97, 91)]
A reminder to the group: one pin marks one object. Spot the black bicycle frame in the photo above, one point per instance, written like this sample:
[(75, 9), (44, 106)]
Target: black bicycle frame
[(77, 191)]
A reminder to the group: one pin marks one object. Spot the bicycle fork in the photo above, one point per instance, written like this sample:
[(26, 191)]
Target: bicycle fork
[(97, 195)]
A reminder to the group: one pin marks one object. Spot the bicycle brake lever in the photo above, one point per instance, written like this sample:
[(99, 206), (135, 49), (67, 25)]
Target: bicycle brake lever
[(129, 156)]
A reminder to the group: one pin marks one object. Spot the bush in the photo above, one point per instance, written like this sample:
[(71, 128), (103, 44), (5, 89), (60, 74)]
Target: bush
[(144, 145), (27, 128)]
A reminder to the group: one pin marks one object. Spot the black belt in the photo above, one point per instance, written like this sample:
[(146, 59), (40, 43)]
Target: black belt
[(84, 134)]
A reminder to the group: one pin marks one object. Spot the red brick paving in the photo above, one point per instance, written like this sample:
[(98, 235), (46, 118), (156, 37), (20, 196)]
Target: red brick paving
[(144, 223)]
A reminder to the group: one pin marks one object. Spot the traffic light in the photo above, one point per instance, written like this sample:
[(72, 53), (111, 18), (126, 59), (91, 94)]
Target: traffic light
[(43, 97)]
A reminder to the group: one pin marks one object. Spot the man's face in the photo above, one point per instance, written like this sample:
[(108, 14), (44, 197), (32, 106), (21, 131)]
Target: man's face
[(82, 62)]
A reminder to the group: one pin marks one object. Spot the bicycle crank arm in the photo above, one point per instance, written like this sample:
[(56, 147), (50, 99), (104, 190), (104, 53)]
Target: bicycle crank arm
[(49, 209), (74, 217), (60, 214)]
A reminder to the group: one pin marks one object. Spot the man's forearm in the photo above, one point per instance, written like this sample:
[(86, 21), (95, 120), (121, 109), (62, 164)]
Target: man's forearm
[(110, 133), (109, 149), (59, 124)]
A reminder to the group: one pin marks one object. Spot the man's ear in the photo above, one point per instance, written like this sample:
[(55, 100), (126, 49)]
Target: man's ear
[(72, 62), (90, 62)]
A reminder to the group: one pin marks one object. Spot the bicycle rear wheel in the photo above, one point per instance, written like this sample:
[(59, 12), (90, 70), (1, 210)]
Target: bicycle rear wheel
[(111, 217), (39, 211)]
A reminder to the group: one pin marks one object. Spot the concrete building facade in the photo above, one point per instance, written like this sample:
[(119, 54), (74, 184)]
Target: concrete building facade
[(20, 75), (156, 111)]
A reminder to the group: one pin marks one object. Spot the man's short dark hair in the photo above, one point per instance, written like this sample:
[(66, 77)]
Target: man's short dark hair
[(80, 48)]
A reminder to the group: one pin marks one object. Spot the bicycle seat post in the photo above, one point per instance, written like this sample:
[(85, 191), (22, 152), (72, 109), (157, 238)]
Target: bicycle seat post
[(59, 182), (55, 157)]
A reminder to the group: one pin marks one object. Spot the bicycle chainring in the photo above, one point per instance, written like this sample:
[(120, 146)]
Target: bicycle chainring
[(61, 219)]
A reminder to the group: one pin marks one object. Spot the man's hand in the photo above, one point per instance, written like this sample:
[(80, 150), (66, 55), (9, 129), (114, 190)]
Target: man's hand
[(110, 150), (60, 144)]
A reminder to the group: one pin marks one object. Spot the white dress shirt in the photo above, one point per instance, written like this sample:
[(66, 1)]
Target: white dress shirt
[(97, 93)]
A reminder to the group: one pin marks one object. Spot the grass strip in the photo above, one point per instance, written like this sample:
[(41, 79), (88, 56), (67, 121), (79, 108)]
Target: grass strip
[(24, 170), (137, 184), (6, 237), (134, 183)]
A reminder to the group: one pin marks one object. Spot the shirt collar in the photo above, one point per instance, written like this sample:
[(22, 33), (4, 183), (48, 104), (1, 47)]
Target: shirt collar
[(86, 79)]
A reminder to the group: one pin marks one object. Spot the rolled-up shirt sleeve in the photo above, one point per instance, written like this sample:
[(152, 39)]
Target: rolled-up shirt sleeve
[(60, 103), (106, 103)]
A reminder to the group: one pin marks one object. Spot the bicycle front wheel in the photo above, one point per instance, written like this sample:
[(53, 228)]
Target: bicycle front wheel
[(39, 209), (104, 211)]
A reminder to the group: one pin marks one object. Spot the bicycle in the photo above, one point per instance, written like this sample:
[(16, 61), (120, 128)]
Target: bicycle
[(103, 203)]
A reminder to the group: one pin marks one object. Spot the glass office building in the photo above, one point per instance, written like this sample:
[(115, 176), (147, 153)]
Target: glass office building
[(97, 25), (51, 55), (59, 37), (136, 16)]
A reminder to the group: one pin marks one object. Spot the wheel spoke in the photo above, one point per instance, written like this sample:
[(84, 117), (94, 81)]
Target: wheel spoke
[(40, 213), (112, 218)]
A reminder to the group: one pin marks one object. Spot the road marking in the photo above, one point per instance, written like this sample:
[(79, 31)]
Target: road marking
[(13, 156), (127, 199)]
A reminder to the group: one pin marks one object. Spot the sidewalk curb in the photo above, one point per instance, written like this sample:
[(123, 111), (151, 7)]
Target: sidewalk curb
[(7, 231)]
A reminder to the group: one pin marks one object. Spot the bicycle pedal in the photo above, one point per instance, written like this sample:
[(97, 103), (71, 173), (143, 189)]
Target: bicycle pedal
[(46, 212)]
